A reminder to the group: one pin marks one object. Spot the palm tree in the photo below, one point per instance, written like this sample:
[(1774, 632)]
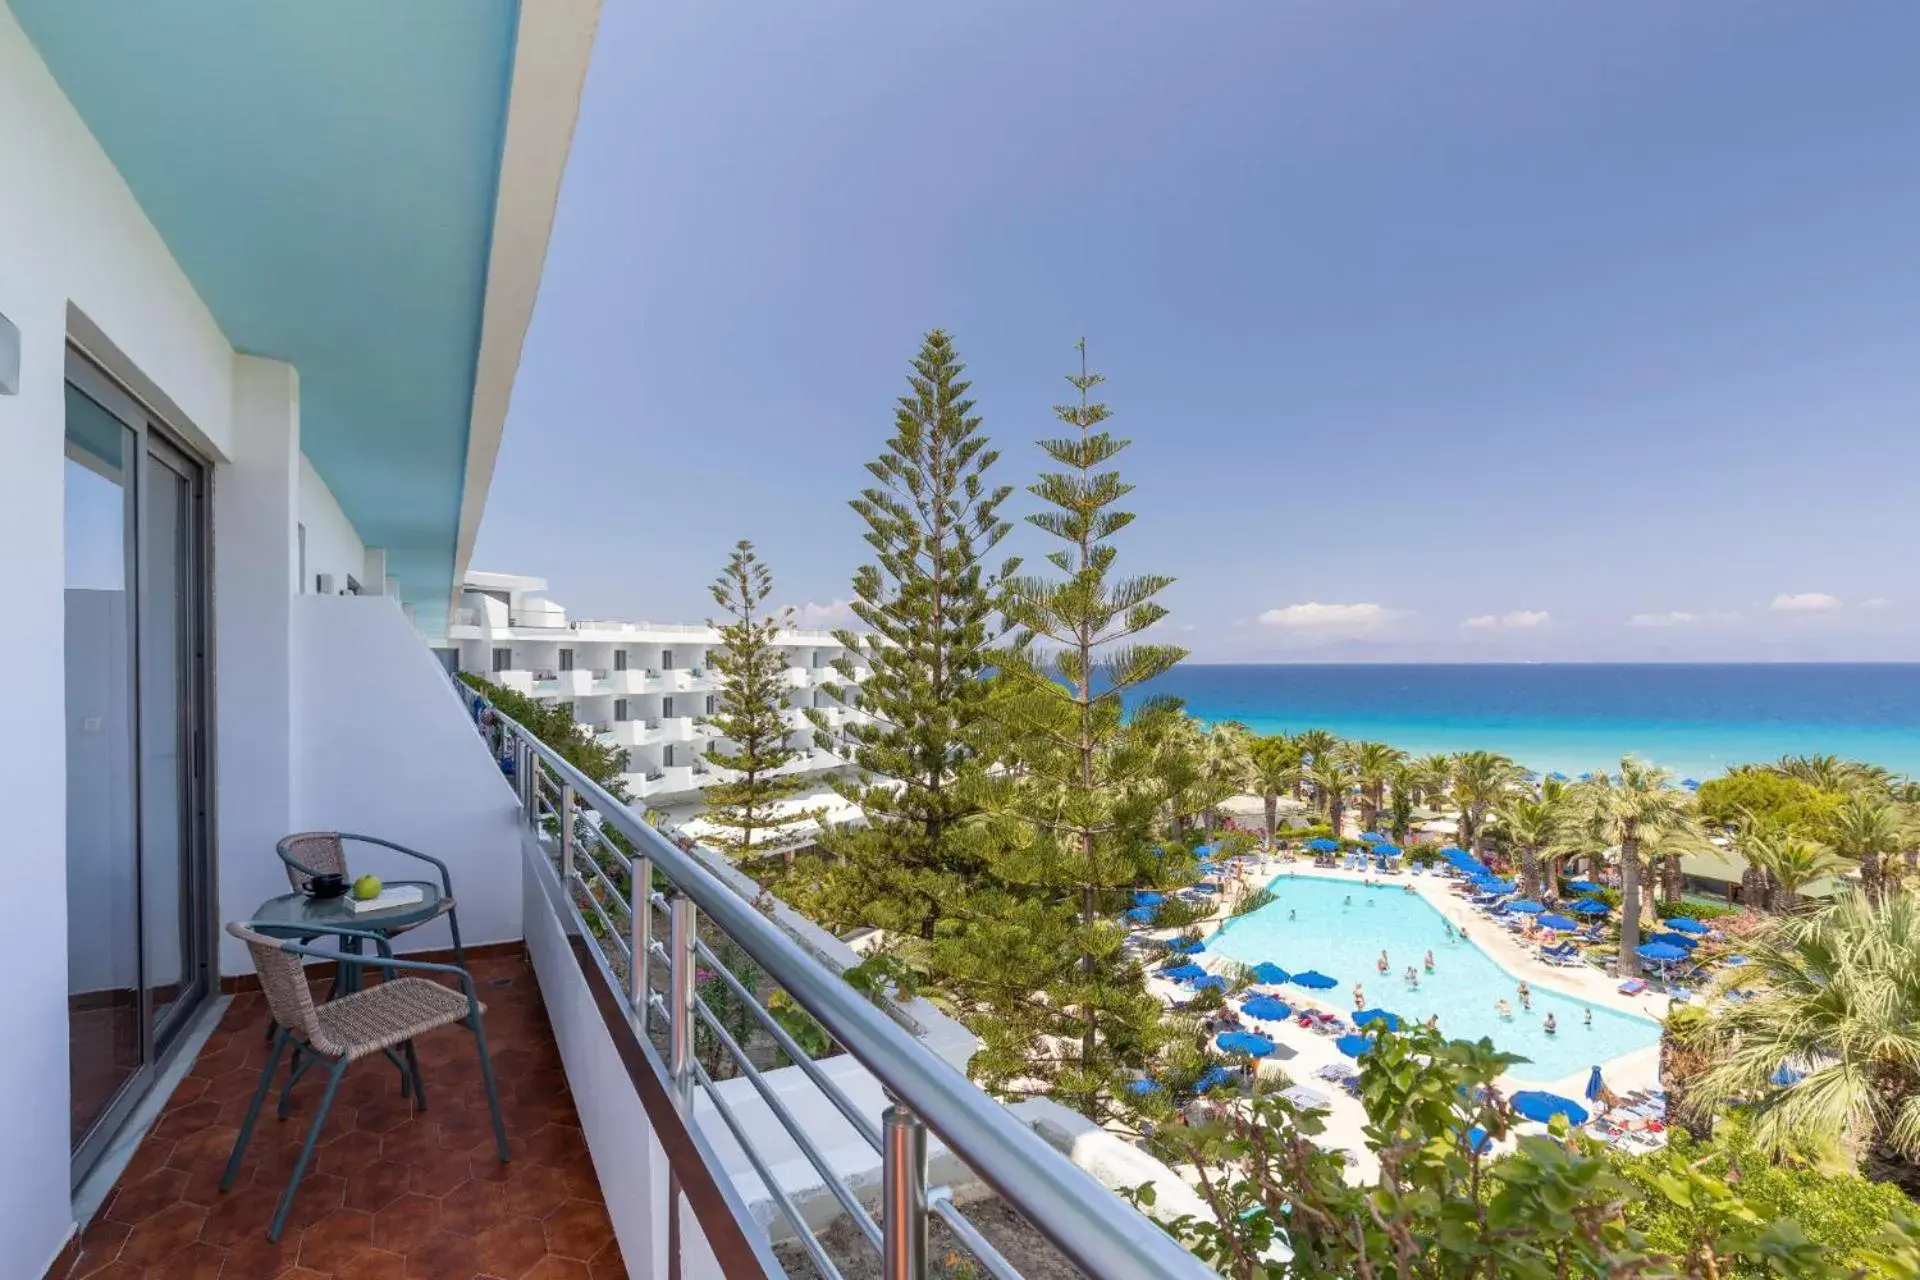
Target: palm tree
[(1373, 763), (1435, 775), (1317, 746), (1636, 811), (1274, 770), (1533, 827), (1865, 830), (1828, 1048), (1831, 773), (1401, 789), (1227, 762), (1686, 1051), (1790, 863), (1330, 777), (1481, 779)]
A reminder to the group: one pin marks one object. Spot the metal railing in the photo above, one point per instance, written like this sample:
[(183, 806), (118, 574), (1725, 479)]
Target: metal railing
[(622, 876)]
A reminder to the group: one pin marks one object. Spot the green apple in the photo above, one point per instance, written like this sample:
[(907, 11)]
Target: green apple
[(366, 888)]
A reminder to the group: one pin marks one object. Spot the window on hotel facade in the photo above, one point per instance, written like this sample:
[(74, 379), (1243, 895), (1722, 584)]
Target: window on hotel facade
[(666, 708), (620, 709), (619, 659), (666, 659), (502, 660), (712, 703), (566, 659), (666, 757)]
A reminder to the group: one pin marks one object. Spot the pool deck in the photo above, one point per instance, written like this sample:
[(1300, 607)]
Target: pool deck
[(1300, 1052)]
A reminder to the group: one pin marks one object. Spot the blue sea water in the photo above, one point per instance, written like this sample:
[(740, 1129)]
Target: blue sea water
[(1696, 719), (1340, 928)]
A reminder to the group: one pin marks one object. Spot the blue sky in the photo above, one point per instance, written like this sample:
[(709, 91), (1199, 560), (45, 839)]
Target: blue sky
[(1442, 331)]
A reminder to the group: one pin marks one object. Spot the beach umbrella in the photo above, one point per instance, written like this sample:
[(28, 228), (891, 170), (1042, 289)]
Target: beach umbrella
[(1528, 775), (1538, 1104), (1320, 844), (1212, 982), (1525, 906), (1184, 972), (1268, 1008), (1141, 1088), (1214, 1078), (1557, 776), (1595, 1085), (1268, 971), (1140, 915), (1494, 884), (1314, 980), (1245, 1042), (1586, 886), (1307, 1099), (1147, 899), (1354, 1045), (1590, 907), (1453, 851), (1786, 1075), (1367, 1017), (1690, 784), (1478, 1141), (1373, 837), (1679, 940), (1552, 921), (1386, 850), (1663, 952), (1190, 947), (1205, 851), (1685, 924)]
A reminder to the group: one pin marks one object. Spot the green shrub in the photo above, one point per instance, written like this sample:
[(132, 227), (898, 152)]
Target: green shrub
[(1699, 910)]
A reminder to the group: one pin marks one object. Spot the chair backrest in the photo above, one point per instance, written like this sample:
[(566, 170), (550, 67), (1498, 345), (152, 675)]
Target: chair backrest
[(283, 979), (311, 853)]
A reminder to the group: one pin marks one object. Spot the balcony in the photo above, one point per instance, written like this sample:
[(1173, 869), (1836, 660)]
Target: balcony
[(565, 684)]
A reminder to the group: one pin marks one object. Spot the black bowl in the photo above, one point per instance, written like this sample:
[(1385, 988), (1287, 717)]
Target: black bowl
[(327, 886)]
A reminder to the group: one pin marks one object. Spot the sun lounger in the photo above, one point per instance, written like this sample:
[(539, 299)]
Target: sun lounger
[(1633, 987)]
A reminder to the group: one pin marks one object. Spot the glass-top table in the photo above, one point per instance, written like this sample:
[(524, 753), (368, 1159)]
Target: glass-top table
[(295, 915)]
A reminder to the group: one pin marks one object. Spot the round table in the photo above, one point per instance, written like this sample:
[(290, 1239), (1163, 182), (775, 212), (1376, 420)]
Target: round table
[(295, 915)]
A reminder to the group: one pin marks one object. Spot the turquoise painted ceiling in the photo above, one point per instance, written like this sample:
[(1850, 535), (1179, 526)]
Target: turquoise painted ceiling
[(325, 174)]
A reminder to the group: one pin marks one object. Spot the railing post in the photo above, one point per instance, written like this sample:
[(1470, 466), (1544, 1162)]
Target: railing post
[(903, 1195), (639, 935), (566, 835), (680, 1033)]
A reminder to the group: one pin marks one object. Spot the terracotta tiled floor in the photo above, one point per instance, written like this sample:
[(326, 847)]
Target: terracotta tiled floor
[(392, 1194)]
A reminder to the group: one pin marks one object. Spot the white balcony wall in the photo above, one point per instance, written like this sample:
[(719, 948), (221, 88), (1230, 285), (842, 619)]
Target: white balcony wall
[(333, 548), (385, 748), (81, 260)]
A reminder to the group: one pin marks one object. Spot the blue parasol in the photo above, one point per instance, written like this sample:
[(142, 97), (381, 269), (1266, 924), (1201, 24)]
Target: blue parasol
[(1552, 921), (1478, 1141), (1354, 1045), (1192, 947), (1184, 972), (1494, 884), (1586, 886), (1538, 1104), (1557, 776), (1373, 837), (1267, 1007), (1679, 940), (1386, 850), (1590, 907), (1214, 1078), (1321, 844), (1685, 924), (1141, 1088), (1314, 980), (1268, 971), (1786, 1075), (1525, 906), (1660, 951), (1140, 915), (1690, 784), (1453, 851), (1595, 1085), (1245, 1042), (1212, 982), (1147, 898), (1368, 1017)]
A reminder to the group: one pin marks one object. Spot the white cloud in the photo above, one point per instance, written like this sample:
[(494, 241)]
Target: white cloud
[(834, 613), (1517, 619), (1875, 602), (1681, 618), (1330, 619), (1805, 602)]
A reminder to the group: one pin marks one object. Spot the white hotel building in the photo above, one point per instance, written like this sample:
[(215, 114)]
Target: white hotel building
[(644, 687)]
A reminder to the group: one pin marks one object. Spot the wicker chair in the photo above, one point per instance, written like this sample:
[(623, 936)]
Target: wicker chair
[(314, 853), (342, 1031)]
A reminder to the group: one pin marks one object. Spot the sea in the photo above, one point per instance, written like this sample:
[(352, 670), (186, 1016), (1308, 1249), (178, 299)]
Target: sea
[(1694, 718)]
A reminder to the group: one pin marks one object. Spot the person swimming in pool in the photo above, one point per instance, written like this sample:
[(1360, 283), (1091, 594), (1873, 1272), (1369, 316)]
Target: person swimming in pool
[(1587, 1017), (1359, 996), (1505, 1010), (1413, 977), (1382, 964), (1292, 914), (1449, 927), (1526, 996), (1433, 1022), (1429, 962), (1346, 902), (1550, 1026)]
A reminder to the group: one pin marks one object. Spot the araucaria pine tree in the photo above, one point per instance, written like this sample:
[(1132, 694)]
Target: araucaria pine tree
[(750, 721), (929, 601), (1066, 1010)]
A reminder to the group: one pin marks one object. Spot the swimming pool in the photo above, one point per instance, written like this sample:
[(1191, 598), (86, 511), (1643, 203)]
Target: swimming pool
[(1340, 927)]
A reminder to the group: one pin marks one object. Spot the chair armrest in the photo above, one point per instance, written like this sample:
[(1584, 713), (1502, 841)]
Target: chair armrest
[(315, 929), (391, 964), (446, 878)]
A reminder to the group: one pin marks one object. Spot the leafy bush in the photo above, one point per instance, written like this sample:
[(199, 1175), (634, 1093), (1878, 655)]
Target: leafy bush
[(1699, 910)]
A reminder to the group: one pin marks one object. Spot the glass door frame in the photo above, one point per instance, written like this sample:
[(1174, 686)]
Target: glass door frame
[(153, 439)]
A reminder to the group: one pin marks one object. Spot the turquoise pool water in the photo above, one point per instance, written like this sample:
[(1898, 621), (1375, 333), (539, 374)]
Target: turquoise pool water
[(1340, 928)]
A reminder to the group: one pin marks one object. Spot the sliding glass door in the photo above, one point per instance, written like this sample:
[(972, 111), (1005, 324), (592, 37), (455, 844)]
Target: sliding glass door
[(138, 886)]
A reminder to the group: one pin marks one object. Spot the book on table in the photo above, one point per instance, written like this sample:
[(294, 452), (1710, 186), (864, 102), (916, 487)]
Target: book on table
[(400, 895)]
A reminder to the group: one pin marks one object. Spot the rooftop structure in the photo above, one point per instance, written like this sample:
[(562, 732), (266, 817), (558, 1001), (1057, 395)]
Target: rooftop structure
[(643, 687), (266, 277)]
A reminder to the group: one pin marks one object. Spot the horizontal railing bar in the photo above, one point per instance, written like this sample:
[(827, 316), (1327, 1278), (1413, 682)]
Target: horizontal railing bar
[(613, 890), (861, 1218), (835, 1094), (788, 1208), (605, 923), (599, 838), (1086, 1222), (940, 1201)]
